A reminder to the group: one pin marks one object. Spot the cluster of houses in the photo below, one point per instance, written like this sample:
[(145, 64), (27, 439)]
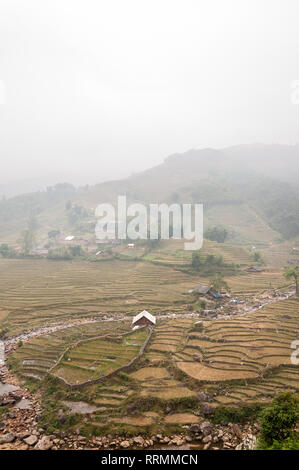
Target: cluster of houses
[(89, 245)]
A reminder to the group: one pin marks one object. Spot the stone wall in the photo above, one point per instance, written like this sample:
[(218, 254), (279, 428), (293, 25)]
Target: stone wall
[(124, 368)]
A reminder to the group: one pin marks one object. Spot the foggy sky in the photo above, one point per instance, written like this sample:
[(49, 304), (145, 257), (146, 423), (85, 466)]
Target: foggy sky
[(97, 89)]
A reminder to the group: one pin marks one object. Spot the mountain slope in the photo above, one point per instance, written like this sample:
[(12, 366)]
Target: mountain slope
[(254, 183)]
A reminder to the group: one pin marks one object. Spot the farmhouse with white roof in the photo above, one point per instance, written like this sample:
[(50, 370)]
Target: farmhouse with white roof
[(144, 319)]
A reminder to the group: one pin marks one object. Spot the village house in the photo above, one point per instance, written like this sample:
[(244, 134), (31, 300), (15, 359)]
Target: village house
[(254, 269), (144, 319), (200, 289)]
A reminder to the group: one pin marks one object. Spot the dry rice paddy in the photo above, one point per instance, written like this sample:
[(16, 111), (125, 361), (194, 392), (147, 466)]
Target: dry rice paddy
[(39, 292)]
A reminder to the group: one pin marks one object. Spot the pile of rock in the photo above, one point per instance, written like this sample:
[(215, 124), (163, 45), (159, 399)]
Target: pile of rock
[(25, 441), (230, 436), (203, 436)]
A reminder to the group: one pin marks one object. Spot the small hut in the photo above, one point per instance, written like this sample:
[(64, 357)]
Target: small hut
[(144, 319)]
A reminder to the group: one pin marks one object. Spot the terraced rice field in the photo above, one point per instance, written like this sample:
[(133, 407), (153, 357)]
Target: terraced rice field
[(158, 382), (253, 349), (256, 282), (169, 334), (93, 359), (172, 252), (182, 418), (36, 357), (280, 254), (39, 293)]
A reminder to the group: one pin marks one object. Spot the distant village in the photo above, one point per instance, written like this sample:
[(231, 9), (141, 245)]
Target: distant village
[(59, 245)]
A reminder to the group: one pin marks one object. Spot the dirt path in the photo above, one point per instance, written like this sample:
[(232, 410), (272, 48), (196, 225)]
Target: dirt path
[(10, 343)]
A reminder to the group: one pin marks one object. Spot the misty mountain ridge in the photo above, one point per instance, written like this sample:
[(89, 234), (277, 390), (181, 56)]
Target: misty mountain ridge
[(261, 179)]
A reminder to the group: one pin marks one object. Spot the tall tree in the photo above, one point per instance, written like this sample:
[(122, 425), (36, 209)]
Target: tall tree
[(292, 272), (218, 283), (32, 223), (196, 262), (27, 241)]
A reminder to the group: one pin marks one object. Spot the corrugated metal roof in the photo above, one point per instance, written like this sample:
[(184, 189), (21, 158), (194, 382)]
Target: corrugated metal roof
[(201, 289), (145, 314)]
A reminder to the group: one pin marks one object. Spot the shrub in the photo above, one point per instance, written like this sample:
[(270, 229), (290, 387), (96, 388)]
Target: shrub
[(196, 261), (60, 253), (279, 418), (291, 443), (7, 252), (217, 234), (257, 257), (235, 415)]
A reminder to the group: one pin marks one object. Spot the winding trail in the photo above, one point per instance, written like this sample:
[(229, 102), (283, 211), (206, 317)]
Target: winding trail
[(10, 343)]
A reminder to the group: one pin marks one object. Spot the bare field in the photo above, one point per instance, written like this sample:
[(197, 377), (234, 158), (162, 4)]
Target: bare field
[(172, 252), (201, 372), (43, 292)]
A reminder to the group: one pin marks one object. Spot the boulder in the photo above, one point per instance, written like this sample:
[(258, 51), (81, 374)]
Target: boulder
[(206, 428), (31, 440), (207, 411), (139, 440), (9, 437), (178, 441), (44, 443), (194, 428), (237, 431), (202, 396), (207, 439), (125, 444), (22, 435)]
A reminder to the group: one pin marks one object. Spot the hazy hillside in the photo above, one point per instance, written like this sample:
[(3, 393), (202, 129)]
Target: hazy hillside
[(256, 198)]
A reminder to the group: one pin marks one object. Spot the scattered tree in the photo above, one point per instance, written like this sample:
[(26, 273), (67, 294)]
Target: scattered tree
[(76, 214), (216, 234), (53, 233), (196, 262), (32, 223), (76, 250), (60, 253), (27, 241), (292, 272), (257, 256), (218, 283), (7, 252), (212, 260)]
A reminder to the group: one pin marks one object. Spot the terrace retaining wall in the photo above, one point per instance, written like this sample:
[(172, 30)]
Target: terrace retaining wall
[(124, 368)]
